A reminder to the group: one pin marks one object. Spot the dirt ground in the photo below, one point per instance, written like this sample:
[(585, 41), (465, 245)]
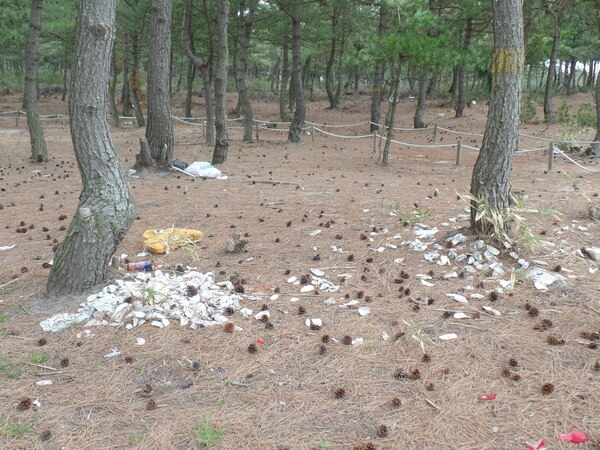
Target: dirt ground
[(401, 388)]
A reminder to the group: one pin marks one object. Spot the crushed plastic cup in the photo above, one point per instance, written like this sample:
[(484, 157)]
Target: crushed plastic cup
[(487, 397), (537, 445), (575, 436)]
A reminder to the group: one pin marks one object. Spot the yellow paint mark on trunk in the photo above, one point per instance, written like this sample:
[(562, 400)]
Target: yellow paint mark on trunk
[(507, 60)]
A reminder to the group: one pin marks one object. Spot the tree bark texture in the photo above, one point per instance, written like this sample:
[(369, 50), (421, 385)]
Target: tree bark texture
[(203, 66), (549, 114), (300, 112), (159, 128), (39, 152), (491, 174), (134, 79), (106, 208), (461, 101), (418, 120), (331, 59), (378, 77), (242, 69), (221, 128), (285, 76)]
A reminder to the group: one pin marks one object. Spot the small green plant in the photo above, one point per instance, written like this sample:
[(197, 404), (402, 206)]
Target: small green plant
[(320, 444), (509, 225), (3, 319), (566, 141), (151, 295), (15, 431), (4, 363), (563, 115), (586, 116), (412, 217), (14, 374), (528, 112), (38, 357), (206, 435), (416, 334)]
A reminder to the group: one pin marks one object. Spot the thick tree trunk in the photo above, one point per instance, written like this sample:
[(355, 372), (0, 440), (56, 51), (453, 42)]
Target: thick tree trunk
[(491, 174), (221, 128), (549, 114), (594, 148), (106, 208), (134, 80), (300, 112), (39, 152), (242, 69), (391, 115), (159, 130)]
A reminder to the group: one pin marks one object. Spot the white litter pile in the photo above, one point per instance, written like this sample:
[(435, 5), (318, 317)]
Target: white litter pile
[(193, 299)]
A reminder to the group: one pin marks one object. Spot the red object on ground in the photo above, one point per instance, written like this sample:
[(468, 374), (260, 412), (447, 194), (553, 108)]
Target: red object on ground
[(260, 341), (487, 397), (538, 445), (575, 436)]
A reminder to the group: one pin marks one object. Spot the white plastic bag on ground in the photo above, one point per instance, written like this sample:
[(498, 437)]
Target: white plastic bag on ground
[(203, 169)]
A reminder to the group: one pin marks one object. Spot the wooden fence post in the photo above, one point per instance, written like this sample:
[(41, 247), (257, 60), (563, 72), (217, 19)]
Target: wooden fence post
[(550, 156), (374, 141), (435, 133), (458, 151)]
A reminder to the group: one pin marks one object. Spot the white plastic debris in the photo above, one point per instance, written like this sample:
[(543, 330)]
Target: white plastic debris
[(7, 247), (311, 323), (457, 297), (385, 336), (317, 272), (448, 336), (460, 315), (43, 382), (266, 313), (307, 288), (492, 311), (140, 341), (542, 278), (113, 352), (364, 310), (315, 232), (357, 341)]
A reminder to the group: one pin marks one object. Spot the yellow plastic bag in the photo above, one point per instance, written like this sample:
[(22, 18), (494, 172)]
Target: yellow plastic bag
[(163, 241)]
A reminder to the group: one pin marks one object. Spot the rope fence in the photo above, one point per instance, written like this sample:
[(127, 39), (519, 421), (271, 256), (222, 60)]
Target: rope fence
[(314, 128)]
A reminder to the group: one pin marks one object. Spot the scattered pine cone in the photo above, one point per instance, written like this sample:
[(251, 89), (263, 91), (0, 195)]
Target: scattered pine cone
[(301, 310), (129, 359), (252, 348), (325, 339), (347, 340), (147, 390), (229, 327), (191, 290), (24, 403), (41, 342), (396, 402), (555, 340), (64, 362), (513, 362), (547, 389), (382, 431), (151, 405), (340, 392)]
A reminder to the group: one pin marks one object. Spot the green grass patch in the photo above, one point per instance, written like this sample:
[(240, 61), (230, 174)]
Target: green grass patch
[(206, 435)]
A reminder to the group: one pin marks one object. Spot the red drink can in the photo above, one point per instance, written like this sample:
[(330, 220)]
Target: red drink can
[(140, 266)]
